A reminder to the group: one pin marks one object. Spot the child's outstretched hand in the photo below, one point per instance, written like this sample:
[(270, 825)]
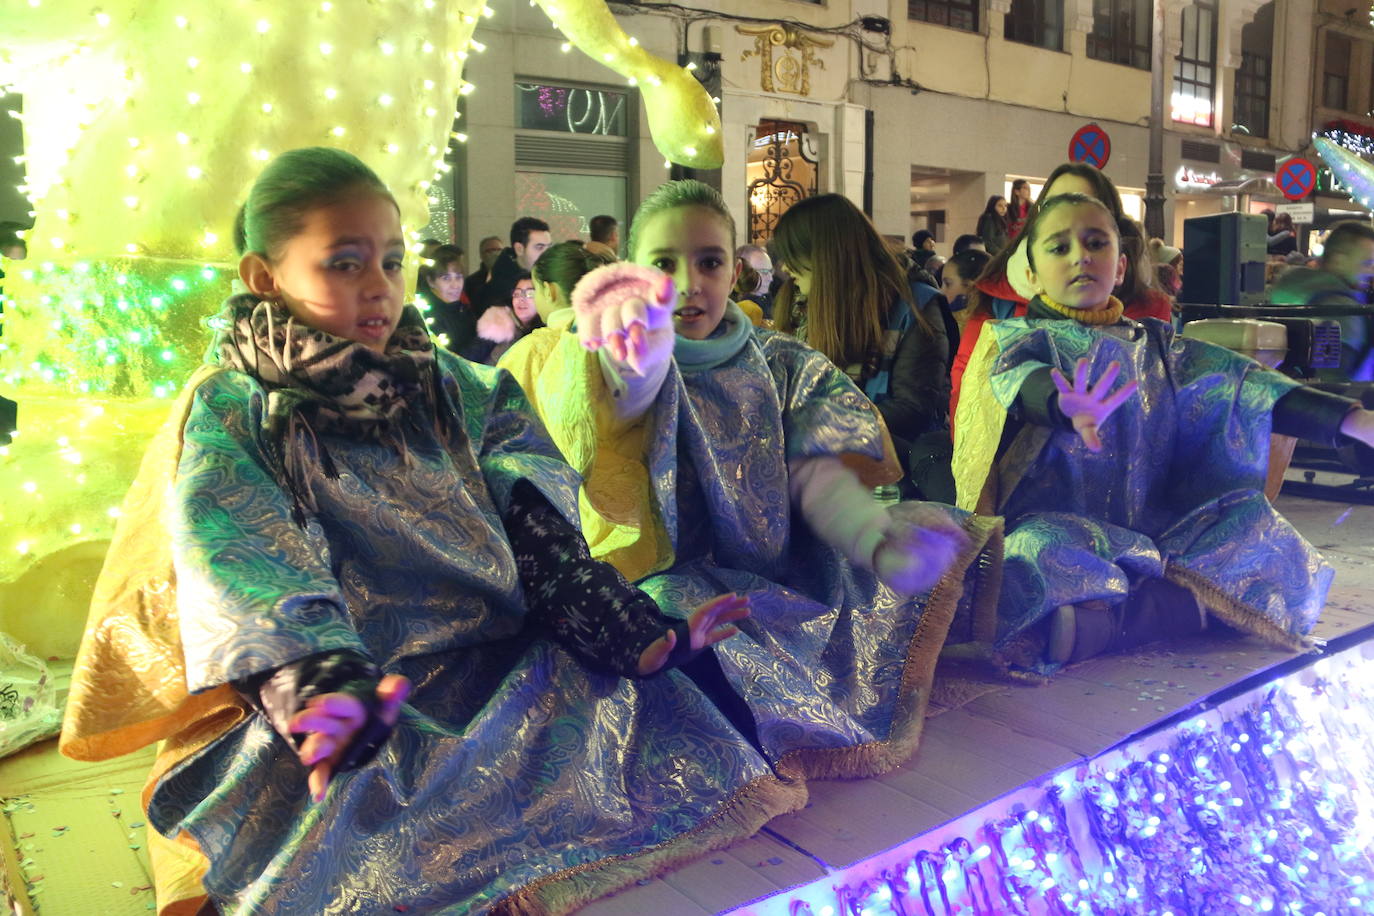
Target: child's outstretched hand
[(918, 548), (331, 721), (1087, 407), (708, 624), (628, 309)]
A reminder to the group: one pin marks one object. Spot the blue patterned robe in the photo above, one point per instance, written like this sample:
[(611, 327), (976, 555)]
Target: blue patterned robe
[(835, 668), (1175, 493), (515, 779)]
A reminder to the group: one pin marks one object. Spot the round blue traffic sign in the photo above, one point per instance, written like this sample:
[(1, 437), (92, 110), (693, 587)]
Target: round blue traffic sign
[(1090, 144), (1296, 178)]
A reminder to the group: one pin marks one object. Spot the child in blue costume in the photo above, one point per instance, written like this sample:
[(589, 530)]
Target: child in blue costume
[(719, 456), (388, 672), (1129, 512)]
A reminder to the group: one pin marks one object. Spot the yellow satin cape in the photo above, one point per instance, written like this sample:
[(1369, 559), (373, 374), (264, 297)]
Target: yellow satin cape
[(129, 683)]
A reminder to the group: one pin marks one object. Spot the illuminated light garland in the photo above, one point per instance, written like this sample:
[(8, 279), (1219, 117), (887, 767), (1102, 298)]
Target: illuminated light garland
[(134, 166), (1351, 170), (1360, 144), (113, 322), (1262, 804)]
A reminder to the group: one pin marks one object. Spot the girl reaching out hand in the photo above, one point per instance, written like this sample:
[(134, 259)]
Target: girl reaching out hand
[(718, 452), (1133, 511)]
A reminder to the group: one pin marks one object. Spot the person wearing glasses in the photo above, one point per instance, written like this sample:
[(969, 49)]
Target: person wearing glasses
[(502, 325)]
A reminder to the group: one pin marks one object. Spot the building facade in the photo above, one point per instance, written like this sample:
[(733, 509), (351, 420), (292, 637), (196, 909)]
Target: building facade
[(918, 110)]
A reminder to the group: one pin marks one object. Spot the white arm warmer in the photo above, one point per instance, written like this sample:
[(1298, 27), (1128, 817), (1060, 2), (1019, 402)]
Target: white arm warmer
[(840, 509), (631, 392)]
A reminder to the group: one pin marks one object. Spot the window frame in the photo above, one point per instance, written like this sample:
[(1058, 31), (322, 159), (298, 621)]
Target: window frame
[(1113, 42), (1254, 83), (1328, 75), (941, 12), (1039, 23), (1191, 60)]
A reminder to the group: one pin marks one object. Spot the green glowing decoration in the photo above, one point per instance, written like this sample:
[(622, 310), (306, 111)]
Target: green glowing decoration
[(144, 125)]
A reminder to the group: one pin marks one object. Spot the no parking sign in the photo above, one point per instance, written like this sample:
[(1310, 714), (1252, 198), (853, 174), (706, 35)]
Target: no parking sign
[(1296, 178), (1090, 144)]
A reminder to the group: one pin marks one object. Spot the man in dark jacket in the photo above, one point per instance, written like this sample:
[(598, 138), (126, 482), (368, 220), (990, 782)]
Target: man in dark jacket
[(529, 237), (1346, 267)]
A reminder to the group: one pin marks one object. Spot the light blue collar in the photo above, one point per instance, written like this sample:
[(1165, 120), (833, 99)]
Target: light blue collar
[(725, 341)]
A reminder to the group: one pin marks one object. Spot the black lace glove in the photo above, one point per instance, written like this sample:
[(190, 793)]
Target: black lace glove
[(587, 605), (282, 693)]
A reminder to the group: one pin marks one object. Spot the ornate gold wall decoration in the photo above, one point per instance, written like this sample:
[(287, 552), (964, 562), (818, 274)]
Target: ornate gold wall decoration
[(788, 69)]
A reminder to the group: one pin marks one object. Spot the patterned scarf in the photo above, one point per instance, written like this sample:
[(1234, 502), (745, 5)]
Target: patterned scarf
[(319, 383), (341, 385)]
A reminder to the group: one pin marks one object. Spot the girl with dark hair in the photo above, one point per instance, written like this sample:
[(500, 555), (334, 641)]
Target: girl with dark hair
[(373, 615), (502, 325), (1003, 289), (1134, 511), (849, 298), (992, 224), (1018, 208), (557, 272), (956, 282), (1283, 238)]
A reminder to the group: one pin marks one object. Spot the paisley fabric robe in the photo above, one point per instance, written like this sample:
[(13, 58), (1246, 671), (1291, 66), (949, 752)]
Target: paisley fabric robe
[(1176, 492), (692, 499), (516, 779)]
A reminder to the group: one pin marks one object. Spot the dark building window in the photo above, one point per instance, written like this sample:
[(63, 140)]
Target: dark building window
[(1121, 32), (1336, 72), (957, 14), (1253, 77), (1036, 22), (1195, 68)]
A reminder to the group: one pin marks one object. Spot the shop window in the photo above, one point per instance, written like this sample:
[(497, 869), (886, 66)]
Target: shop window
[(957, 14), (1195, 71), (1036, 22), (1121, 32), (573, 154), (572, 109), (1336, 72), (1253, 77)]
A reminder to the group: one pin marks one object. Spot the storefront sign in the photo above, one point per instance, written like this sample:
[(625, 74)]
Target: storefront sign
[(1192, 180), (1328, 183), (1301, 213)]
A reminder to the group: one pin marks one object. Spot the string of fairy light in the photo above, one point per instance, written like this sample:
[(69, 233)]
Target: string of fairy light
[(124, 328), (1264, 804)]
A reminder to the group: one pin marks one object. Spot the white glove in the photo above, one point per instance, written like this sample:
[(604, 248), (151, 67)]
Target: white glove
[(918, 547), (909, 549), (497, 324)]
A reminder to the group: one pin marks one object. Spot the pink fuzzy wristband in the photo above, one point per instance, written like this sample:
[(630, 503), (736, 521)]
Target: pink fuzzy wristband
[(615, 284)]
